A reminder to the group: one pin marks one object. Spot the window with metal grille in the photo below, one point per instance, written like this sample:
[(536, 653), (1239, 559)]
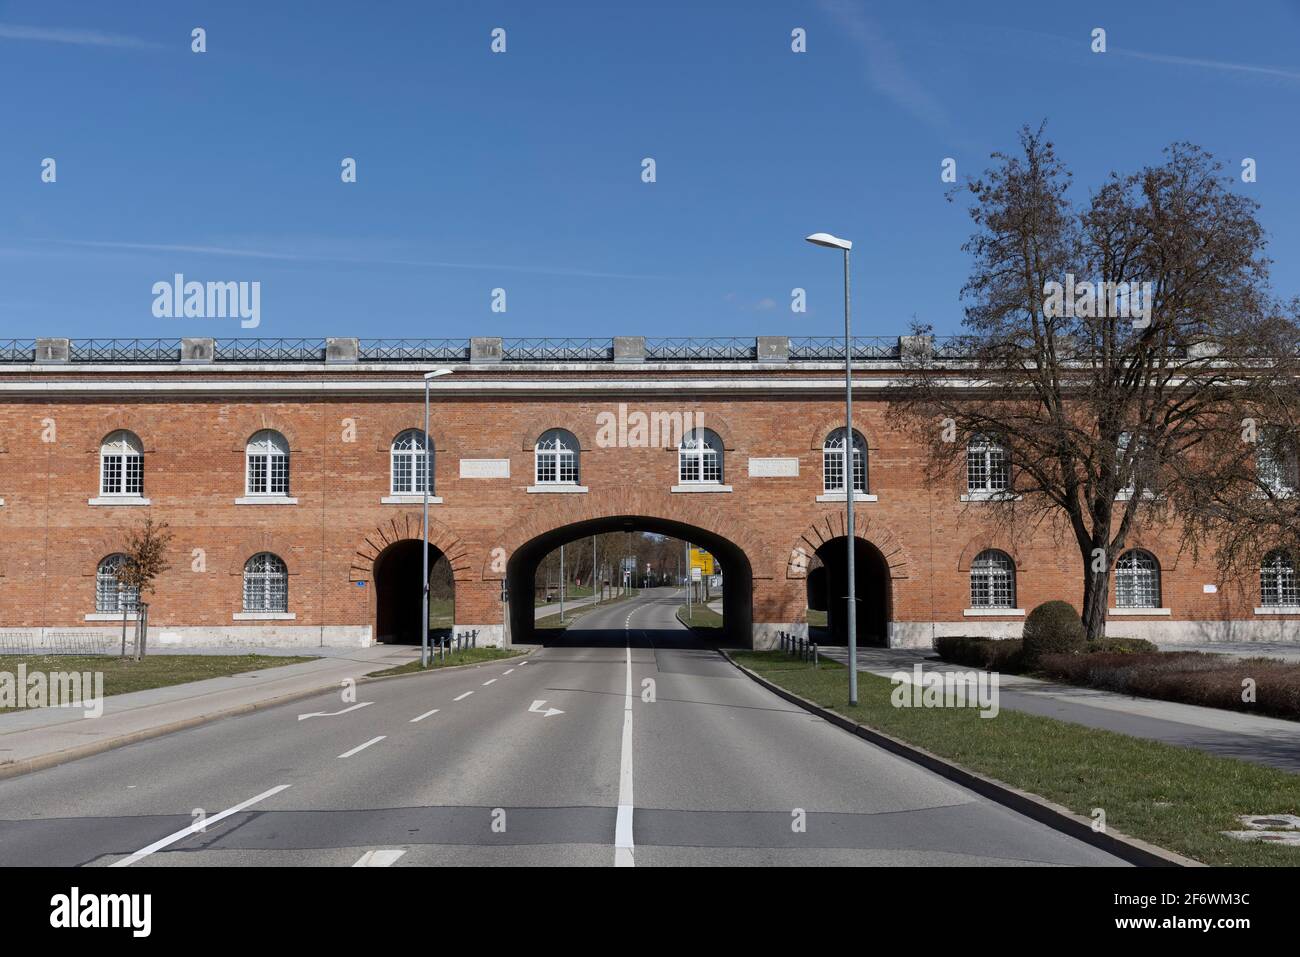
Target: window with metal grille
[(992, 580), (833, 462), (268, 464), (987, 469), (557, 458), (1276, 464), (1277, 586), (699, 459), (412, 453), (266, 584), (1137, 580), (110, 594), (121, 465)]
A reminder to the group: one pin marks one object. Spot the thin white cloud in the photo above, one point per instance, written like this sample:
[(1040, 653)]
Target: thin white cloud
[(85, 38), (275, 255), (1209, 64)]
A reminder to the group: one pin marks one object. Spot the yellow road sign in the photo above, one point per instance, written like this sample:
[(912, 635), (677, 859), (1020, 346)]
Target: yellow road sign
[(702, 560)]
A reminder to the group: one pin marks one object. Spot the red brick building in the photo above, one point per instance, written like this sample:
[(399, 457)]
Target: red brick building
[(291, 475)]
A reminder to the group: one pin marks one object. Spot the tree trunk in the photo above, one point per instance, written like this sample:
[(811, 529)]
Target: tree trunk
[(123, 631), (1096, 596)]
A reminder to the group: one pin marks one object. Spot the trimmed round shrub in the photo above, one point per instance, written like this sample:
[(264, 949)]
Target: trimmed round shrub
[(1053, 628), (1122, 646)]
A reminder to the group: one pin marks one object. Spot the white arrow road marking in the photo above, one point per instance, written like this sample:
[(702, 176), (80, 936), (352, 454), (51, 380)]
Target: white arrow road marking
[(362, 747), (333, 714), (200, 824), (536, 708), (423, 716), (384, 857), (462, 697)]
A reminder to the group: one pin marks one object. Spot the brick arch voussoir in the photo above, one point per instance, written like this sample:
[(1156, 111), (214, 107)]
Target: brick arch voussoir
[(984, 542), (835, 525), (827, 425), (544, 517), (403, 527)]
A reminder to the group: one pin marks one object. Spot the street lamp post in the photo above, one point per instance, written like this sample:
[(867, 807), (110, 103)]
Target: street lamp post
[(424, 533), (834, 242)]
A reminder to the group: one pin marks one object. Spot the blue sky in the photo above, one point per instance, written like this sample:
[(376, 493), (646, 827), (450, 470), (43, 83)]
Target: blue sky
[(522, 170)]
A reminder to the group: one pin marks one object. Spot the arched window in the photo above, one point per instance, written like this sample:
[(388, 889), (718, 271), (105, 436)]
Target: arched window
[(121, 465), (557, 458), (1276, 464), (1137, 580), (992, 580), (987, 469), (412, 456), (1277, 587), (268, 464), (266, 584), (833, 462), (699, 458), (110, 594)]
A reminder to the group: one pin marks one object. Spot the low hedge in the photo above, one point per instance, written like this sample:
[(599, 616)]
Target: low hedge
[(995, 654)]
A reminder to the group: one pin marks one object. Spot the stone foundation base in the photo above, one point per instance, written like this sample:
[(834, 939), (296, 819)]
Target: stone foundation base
[(489, 636), (767, 634), (921, 634)]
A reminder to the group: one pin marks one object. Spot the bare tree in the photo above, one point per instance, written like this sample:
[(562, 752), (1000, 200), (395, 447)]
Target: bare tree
[(145, 559), (1104, 347)]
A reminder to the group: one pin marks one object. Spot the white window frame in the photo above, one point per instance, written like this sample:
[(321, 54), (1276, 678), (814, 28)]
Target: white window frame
[(111, 596), (123, 454), (700, 459), (556, 459), (986, 450), (259, 584), (989, 567), (1138, 580), (412, 454), (833, 463), (1277, 574), (1276, 465), (267, 448)]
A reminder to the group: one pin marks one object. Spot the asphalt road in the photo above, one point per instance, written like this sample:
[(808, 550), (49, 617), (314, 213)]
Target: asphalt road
[(699, 766)]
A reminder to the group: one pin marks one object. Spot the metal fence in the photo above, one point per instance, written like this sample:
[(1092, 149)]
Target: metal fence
[(56, 643)]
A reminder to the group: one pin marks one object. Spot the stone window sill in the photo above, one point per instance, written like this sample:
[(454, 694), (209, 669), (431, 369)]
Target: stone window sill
[(990, 497), (1279, 610), (407, 499), (117, 500), (840, 497), (110, 616), (266, 500), (994, 613), (1165, 612), (701, 487), (263, 616), (548, 487)]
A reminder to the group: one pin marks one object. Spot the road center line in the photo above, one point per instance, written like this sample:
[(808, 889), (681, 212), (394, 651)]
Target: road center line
[(506, 672), (362, 747), (488, 682), (200, 824), (462, 697), (423, 716), (624, 852)]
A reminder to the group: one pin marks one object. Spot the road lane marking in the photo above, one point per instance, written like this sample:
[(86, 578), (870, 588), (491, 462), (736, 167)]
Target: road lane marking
[(385, 857), (333, 714), (488, 682), (202, 823), (423, 716), (506, 672), (536, 708), (362, 747), (624, 851), (463, 697)]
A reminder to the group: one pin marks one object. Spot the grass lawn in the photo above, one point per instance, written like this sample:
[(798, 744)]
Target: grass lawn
[(466, 656), (816, 618), (1177, 798), (552, 622), (442, 613), (122, 675), (700, 616)]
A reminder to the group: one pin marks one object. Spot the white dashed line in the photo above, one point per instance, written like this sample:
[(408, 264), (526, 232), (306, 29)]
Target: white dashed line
[(463, 697), (385, 857), (423, 716), (201, 824), (488, 682), (362, 747), (506, 672)]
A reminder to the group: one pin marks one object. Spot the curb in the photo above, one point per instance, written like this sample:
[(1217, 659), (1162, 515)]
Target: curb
[(51, 759), (442, 671), (1059, 818)]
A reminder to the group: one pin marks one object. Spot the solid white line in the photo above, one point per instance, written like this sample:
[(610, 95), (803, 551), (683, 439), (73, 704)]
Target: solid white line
[(463, 697), (362, 747), (624, 852), (488, 682), (201, 824), (385, 857), (423, 716)]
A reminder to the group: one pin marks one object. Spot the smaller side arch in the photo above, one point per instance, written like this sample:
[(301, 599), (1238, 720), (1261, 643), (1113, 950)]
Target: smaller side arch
[(835, 525), (409, 525)]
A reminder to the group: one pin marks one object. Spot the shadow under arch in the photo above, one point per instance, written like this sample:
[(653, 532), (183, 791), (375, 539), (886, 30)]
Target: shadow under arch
[(738, 575)]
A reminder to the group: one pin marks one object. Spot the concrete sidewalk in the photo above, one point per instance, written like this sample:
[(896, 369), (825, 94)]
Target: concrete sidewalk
[(42, 737), (1261, 740)]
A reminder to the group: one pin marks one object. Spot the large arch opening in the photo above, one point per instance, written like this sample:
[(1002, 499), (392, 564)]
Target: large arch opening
[(828, 589), (397, 574), (736, 574)]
